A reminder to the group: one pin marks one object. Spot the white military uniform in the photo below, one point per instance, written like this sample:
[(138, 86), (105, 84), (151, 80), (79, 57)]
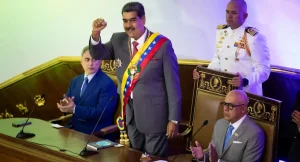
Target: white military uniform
[(242, 50)]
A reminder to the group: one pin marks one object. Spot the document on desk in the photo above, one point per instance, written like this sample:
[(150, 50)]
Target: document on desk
[(57, 126)]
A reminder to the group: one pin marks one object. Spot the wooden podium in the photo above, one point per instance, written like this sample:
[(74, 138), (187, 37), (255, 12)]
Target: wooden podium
[(48, 142)]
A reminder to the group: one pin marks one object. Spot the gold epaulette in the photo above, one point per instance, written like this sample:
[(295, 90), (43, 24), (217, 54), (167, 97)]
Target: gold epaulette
[(222, 26), (252, 31)]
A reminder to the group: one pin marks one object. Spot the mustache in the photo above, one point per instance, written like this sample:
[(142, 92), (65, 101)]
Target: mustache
[(129, 28)]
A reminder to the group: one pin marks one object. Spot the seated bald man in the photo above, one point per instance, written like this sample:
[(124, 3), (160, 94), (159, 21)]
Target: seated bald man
[(236, 137)]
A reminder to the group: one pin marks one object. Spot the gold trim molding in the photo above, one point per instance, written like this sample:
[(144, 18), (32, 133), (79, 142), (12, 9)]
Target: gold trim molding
[(110, 68), (39, 69)]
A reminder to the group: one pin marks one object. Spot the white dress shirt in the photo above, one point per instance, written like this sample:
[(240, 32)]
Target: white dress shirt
[(237, 124)]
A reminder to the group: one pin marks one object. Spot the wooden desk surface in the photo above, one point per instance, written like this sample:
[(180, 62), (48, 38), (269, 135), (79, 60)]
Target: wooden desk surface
[(38, 149)]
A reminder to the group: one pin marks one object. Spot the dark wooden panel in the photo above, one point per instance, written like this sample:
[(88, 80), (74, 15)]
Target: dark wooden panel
[(186, 84), (7, 158), (52, 82), (76, 67)]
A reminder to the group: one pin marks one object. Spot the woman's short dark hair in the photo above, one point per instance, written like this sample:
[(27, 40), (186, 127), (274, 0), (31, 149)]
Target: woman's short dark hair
[(134, 6)]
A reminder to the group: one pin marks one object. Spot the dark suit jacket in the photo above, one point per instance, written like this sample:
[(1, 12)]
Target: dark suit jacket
[(92, 102), (245, 145), (157, 93), (294, 154)]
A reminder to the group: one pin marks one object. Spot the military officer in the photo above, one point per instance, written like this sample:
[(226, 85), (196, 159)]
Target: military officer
[(241, 50)]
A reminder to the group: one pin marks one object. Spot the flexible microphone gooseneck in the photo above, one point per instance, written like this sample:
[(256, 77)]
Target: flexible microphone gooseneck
[(86, 152), (204, 124), (22, 134)]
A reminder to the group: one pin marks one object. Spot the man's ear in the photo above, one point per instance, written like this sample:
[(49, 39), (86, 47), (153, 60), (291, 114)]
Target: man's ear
[(245, 109), (144, 20), (100, 63), (245, 16)]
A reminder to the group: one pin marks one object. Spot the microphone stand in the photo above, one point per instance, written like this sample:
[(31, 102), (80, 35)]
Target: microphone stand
[(22, 134), (86, 152), (204, 124)]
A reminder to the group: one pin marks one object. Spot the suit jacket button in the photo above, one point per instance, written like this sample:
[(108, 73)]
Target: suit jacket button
[(225, 70), (228, 46), (226, 58)]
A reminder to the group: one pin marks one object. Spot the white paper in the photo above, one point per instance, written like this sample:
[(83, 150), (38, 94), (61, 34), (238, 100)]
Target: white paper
[(57, 126), (118, 145)]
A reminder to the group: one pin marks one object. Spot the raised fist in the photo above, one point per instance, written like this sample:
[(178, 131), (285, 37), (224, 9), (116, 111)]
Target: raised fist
[(98, 25)]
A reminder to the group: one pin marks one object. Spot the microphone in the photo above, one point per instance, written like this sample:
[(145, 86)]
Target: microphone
[(204, 124), (22, 134), (86, 152)]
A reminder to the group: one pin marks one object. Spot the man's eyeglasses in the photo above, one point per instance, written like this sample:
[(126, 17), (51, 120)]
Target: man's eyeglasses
[(230, 106)]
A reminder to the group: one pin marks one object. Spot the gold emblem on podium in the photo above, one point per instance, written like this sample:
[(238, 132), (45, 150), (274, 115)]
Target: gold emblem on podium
[(39, 100)]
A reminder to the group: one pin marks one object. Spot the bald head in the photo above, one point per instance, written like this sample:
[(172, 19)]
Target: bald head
[(236, 13), (241, 3), (239, 101), (239, 95)]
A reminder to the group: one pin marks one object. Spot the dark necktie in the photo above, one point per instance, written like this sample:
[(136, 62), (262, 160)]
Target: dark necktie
[(228, 135), (135, 44), (85, 83)]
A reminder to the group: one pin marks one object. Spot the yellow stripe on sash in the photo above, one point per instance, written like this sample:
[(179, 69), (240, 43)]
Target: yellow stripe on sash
[(134, 61)]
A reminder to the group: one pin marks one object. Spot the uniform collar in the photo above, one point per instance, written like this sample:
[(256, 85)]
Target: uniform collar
[(240, 29)]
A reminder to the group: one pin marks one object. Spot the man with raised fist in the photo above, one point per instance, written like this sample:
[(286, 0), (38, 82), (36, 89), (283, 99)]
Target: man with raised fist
[(147, 72)]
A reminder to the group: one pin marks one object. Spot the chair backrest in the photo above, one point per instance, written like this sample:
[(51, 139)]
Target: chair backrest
[(210, 90), (109, 67)]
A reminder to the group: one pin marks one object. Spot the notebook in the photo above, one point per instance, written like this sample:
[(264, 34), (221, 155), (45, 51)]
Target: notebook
[(101, 144)]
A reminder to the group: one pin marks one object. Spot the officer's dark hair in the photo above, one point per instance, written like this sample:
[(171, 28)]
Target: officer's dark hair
[(134, 6)]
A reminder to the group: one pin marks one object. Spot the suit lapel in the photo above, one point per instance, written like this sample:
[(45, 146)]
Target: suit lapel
[(92, 84), (235, 136), (77, 88)]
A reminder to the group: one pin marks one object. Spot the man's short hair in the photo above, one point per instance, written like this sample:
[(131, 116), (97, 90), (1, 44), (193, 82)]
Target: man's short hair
[(134, 6), (86, 48)]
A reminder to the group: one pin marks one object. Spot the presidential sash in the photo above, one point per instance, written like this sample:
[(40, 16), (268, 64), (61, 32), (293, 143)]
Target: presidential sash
[(135, 69)]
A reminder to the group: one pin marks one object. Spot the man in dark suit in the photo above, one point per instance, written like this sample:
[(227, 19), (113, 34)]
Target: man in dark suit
[(236, 138), (88, 95), (294, 155), (147, 71)]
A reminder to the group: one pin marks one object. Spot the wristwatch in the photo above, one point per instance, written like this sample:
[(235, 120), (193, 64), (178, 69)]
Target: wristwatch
[(245, 82)]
